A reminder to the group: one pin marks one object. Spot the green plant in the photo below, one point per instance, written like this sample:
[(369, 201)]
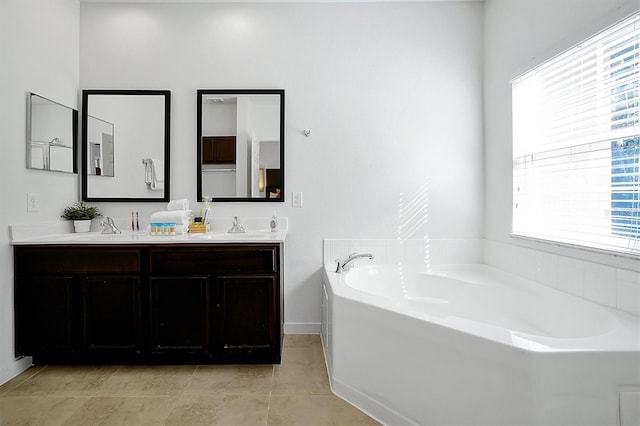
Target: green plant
[(80, 211)]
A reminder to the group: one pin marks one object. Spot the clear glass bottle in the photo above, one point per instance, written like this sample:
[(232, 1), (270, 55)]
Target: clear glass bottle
[(206, 217)]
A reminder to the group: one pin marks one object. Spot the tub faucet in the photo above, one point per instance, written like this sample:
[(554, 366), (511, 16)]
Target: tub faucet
[(236, 228), (346, 264), (109, 226)]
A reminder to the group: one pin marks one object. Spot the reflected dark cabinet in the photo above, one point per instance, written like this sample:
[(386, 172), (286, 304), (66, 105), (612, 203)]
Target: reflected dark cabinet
[(187, 303), (219, 150)]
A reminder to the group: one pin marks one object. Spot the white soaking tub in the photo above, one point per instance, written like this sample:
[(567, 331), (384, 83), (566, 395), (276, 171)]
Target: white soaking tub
[(471, 345)]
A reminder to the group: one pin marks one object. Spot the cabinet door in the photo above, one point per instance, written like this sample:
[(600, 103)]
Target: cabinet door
[(247, 316), (111, 314), (44, 315), (179, 314)]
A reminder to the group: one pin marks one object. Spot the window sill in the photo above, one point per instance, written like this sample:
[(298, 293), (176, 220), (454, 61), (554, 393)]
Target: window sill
[(592, 254)]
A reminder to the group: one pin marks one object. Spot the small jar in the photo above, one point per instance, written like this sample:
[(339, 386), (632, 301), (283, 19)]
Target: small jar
[(153, 228), (172, 228)]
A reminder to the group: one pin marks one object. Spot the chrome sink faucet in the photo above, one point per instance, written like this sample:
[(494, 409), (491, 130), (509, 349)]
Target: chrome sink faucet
[(109, 226), (346, 264), (237, 228)]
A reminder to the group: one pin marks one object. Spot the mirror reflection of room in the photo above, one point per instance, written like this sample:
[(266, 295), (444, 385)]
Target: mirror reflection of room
[(52, 134), (240, 145), (100, 158), (125, 143)]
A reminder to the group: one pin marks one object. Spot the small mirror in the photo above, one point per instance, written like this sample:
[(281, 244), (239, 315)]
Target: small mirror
[(125, 139), (52, 135), (241, 145)]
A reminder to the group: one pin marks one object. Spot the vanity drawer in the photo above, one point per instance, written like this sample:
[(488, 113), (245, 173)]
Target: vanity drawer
[(76, 260), (215, 259)]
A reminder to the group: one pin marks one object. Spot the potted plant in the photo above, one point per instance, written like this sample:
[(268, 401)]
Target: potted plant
[(81, 214)]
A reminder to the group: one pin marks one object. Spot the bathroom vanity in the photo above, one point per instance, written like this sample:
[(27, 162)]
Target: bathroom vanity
[(186, 299)]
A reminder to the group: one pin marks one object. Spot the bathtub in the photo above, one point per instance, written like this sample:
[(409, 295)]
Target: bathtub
[(471, 345)]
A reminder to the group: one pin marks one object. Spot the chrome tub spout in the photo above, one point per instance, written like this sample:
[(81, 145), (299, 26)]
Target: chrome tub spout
[(347, 263)]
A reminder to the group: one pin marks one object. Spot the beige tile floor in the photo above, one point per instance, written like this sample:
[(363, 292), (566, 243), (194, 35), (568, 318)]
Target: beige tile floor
[(295, 392)]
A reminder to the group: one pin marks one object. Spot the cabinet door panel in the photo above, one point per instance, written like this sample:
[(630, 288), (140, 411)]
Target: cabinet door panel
[(179, 314), (77, 260), (111, 313), (44, 320), (247, 313)]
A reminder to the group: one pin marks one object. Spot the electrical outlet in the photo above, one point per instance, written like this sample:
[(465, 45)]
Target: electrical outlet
[(296, 199), (33, 202)]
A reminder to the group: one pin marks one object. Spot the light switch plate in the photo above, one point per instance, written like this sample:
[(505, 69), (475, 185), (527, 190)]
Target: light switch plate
[(33, 202), (296, 199)]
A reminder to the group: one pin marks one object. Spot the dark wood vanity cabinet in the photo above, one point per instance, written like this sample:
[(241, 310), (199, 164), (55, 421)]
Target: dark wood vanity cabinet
[(73, 302), (186, 303), (234, 295)]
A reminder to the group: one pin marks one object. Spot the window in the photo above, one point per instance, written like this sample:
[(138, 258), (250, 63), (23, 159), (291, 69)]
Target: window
[(576, 144)]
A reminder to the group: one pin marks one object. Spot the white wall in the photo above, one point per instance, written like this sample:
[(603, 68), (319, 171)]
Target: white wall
[(390, 92), (39, 41)]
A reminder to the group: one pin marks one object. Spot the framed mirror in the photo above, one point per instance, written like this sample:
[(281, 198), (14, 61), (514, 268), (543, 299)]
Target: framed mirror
[(240, 144), (125, 145), (52, 135)]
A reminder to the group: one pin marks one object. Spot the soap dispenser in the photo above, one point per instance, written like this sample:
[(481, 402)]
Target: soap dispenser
[(274, 222)]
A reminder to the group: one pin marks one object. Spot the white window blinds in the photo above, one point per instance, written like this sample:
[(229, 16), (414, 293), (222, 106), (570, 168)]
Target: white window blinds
[(576, 144)]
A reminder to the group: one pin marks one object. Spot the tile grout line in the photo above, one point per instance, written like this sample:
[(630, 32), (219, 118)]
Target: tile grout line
[(273, 375), (175, 398)]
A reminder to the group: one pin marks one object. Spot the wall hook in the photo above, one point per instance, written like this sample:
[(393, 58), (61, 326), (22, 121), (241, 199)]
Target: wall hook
[(306, 132)]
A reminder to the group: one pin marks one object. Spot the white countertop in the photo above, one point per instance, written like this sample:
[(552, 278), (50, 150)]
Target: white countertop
[(146, 238), (59, 233)]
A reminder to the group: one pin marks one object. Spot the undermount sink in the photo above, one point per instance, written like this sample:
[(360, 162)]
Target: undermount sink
[(227, 236), (97, 236)]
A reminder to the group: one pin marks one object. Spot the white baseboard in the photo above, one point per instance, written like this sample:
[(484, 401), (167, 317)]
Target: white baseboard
[(302, 328), (368, 405), (11, 370)]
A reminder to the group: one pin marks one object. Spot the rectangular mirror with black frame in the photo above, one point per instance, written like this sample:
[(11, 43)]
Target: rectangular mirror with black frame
[(52, 135), (125, 145), (240, 144)]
